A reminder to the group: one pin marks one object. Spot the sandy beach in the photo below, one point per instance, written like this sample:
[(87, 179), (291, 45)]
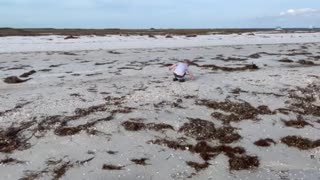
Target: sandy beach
[(107, 108)]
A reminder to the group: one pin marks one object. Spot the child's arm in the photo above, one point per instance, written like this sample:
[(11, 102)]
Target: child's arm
[(191, 75), (172, 67)]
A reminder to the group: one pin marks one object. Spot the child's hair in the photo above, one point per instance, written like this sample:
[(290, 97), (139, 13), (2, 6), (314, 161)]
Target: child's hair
[(187, 61)]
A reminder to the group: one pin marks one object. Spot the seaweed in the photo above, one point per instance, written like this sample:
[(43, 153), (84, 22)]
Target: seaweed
[(114, 52), (137, 126), (168, 103), (68, 131), (230, 69), (71, 37), (56, 65), (56, 168), (10, 161), (141, 161), (299, 123), (300, 143), (243, 162), (27, 74), (94, 74), (45, 70), (171, 144), (305, 62), (303, 99), (12, 138), (15, 80), (254, 56), (199, 129), (264, 142), (238, 111), (198, 166), (286, 60), (112, 167), (133, 126), (16, 108), (60, 170), (238, 159)]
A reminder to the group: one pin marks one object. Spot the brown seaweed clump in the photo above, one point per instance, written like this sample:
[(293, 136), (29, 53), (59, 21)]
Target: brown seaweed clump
[(243, 162), (159, 127), (286, 60), (191, 35), (55, 168), (141, 161), (112, 167), (14, 80), (8, 160), (133, 126), (306, 62), (303, 99), (198, 166), (300, 143), (68, 131), (299, 123), (205, 130), (60, 170), (12, 138), (255, 56), (71, 37), (162, 104), (171, 144), (264, 142), (199, 129), (238, 110), (238, 159), (16, 108), (207, 152), (137, 126), (231, 69), (27, 74), (59, 122)]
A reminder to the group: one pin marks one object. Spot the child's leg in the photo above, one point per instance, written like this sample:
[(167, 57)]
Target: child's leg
[(175, 77), (182, 78)]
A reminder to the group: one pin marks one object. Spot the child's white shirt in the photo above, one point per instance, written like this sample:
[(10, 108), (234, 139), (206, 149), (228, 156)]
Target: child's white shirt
[(181, 69)]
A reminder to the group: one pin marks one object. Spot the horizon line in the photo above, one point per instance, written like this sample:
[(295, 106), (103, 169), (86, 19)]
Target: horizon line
[(72, 28)]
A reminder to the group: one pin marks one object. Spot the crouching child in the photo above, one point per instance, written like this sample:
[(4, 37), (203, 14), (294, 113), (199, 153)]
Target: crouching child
[(180, 70)]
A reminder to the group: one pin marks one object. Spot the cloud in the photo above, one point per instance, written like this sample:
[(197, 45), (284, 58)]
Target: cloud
[(291, 18), (158, 14), (299, 12)]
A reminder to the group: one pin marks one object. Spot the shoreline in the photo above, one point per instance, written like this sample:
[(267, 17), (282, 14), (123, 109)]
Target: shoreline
[(127, 32)]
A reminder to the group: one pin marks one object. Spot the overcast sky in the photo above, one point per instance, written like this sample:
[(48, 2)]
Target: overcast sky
[(159, 14)]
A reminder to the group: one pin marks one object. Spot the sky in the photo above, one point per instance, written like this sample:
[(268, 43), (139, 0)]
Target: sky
[(140, 14)]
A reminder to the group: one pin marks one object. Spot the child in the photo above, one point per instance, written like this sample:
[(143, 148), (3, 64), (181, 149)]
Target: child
[(180, 70)]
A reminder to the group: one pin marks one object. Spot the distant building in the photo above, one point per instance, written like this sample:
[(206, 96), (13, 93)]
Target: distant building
[(279, 28)]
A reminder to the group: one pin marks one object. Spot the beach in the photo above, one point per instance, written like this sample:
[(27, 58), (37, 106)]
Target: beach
[(106, 107)]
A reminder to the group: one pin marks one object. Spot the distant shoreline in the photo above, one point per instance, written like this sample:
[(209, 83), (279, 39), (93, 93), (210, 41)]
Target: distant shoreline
[(142, 32)]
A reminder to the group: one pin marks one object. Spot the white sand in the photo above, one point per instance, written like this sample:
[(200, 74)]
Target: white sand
[(147, 84), (57, 43)]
